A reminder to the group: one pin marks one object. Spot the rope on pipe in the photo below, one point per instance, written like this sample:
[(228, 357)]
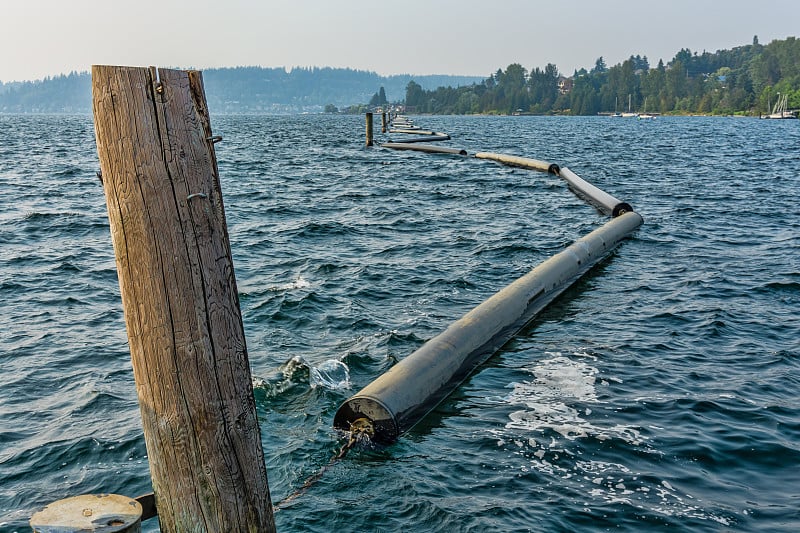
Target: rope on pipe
[(360, 432)]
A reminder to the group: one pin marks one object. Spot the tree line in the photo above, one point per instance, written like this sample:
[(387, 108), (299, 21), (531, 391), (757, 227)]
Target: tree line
[(233, 90), (744, 80), (66, 93)]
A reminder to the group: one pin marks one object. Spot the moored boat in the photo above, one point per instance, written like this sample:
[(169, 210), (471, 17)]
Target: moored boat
[(780, 111)]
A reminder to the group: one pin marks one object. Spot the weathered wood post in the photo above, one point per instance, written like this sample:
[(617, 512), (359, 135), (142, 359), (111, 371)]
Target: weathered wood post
[(176, 277), (383, 122), (369, 130)]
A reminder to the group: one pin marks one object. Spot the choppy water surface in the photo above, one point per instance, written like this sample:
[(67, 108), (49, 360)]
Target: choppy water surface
[(660, 392)]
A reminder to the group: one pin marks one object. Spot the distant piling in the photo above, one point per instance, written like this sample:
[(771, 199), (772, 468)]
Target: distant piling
[(179, 294), (383, 122), (370, 137)]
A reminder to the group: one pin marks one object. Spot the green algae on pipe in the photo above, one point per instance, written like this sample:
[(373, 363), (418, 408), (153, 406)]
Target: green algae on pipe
[(402, 396)]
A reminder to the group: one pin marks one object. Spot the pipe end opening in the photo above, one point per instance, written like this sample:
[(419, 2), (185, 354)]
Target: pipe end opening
[(620, 209), (365, 412)]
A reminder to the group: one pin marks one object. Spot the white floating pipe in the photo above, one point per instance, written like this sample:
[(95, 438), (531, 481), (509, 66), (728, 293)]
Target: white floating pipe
[(515, 161), (425, 148), (414, 131), (601, 199), (427, 138)]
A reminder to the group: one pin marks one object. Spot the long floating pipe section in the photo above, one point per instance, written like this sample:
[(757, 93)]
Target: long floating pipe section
[(428, 138), (515, 161), (398, 399), (601, 199), (415, 131), (425, 148), (604, 201)]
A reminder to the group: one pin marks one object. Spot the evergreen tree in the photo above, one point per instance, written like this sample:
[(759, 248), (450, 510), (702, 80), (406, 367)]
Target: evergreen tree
[(414, 94), (379, 98), (599, 66)]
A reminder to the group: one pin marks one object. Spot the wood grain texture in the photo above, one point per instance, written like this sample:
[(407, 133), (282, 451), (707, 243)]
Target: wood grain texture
[(181, 304)]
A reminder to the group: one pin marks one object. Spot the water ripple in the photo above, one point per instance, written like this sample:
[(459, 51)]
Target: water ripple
[(659, 392)]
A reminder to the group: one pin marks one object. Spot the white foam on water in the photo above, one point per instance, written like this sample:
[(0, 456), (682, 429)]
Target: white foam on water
[(331, 374), (298, 283), (558, 383)]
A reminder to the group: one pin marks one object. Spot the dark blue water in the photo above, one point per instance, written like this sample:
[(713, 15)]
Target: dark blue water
[(658, 393)]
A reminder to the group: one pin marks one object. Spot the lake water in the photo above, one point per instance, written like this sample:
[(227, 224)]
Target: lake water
[(660, 392)]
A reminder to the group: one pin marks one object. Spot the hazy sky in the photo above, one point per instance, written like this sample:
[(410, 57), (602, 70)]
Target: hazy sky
[(40, 38)]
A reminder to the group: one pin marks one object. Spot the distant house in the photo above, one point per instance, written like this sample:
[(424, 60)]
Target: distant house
[(564, 85)]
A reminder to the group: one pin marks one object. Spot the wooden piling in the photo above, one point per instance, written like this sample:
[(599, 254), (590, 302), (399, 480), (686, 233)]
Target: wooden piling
[(179, 294), (369, 130), (383, 122)]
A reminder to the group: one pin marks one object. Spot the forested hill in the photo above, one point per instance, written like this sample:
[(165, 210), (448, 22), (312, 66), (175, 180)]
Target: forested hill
[(235, 90), (745, 80)]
